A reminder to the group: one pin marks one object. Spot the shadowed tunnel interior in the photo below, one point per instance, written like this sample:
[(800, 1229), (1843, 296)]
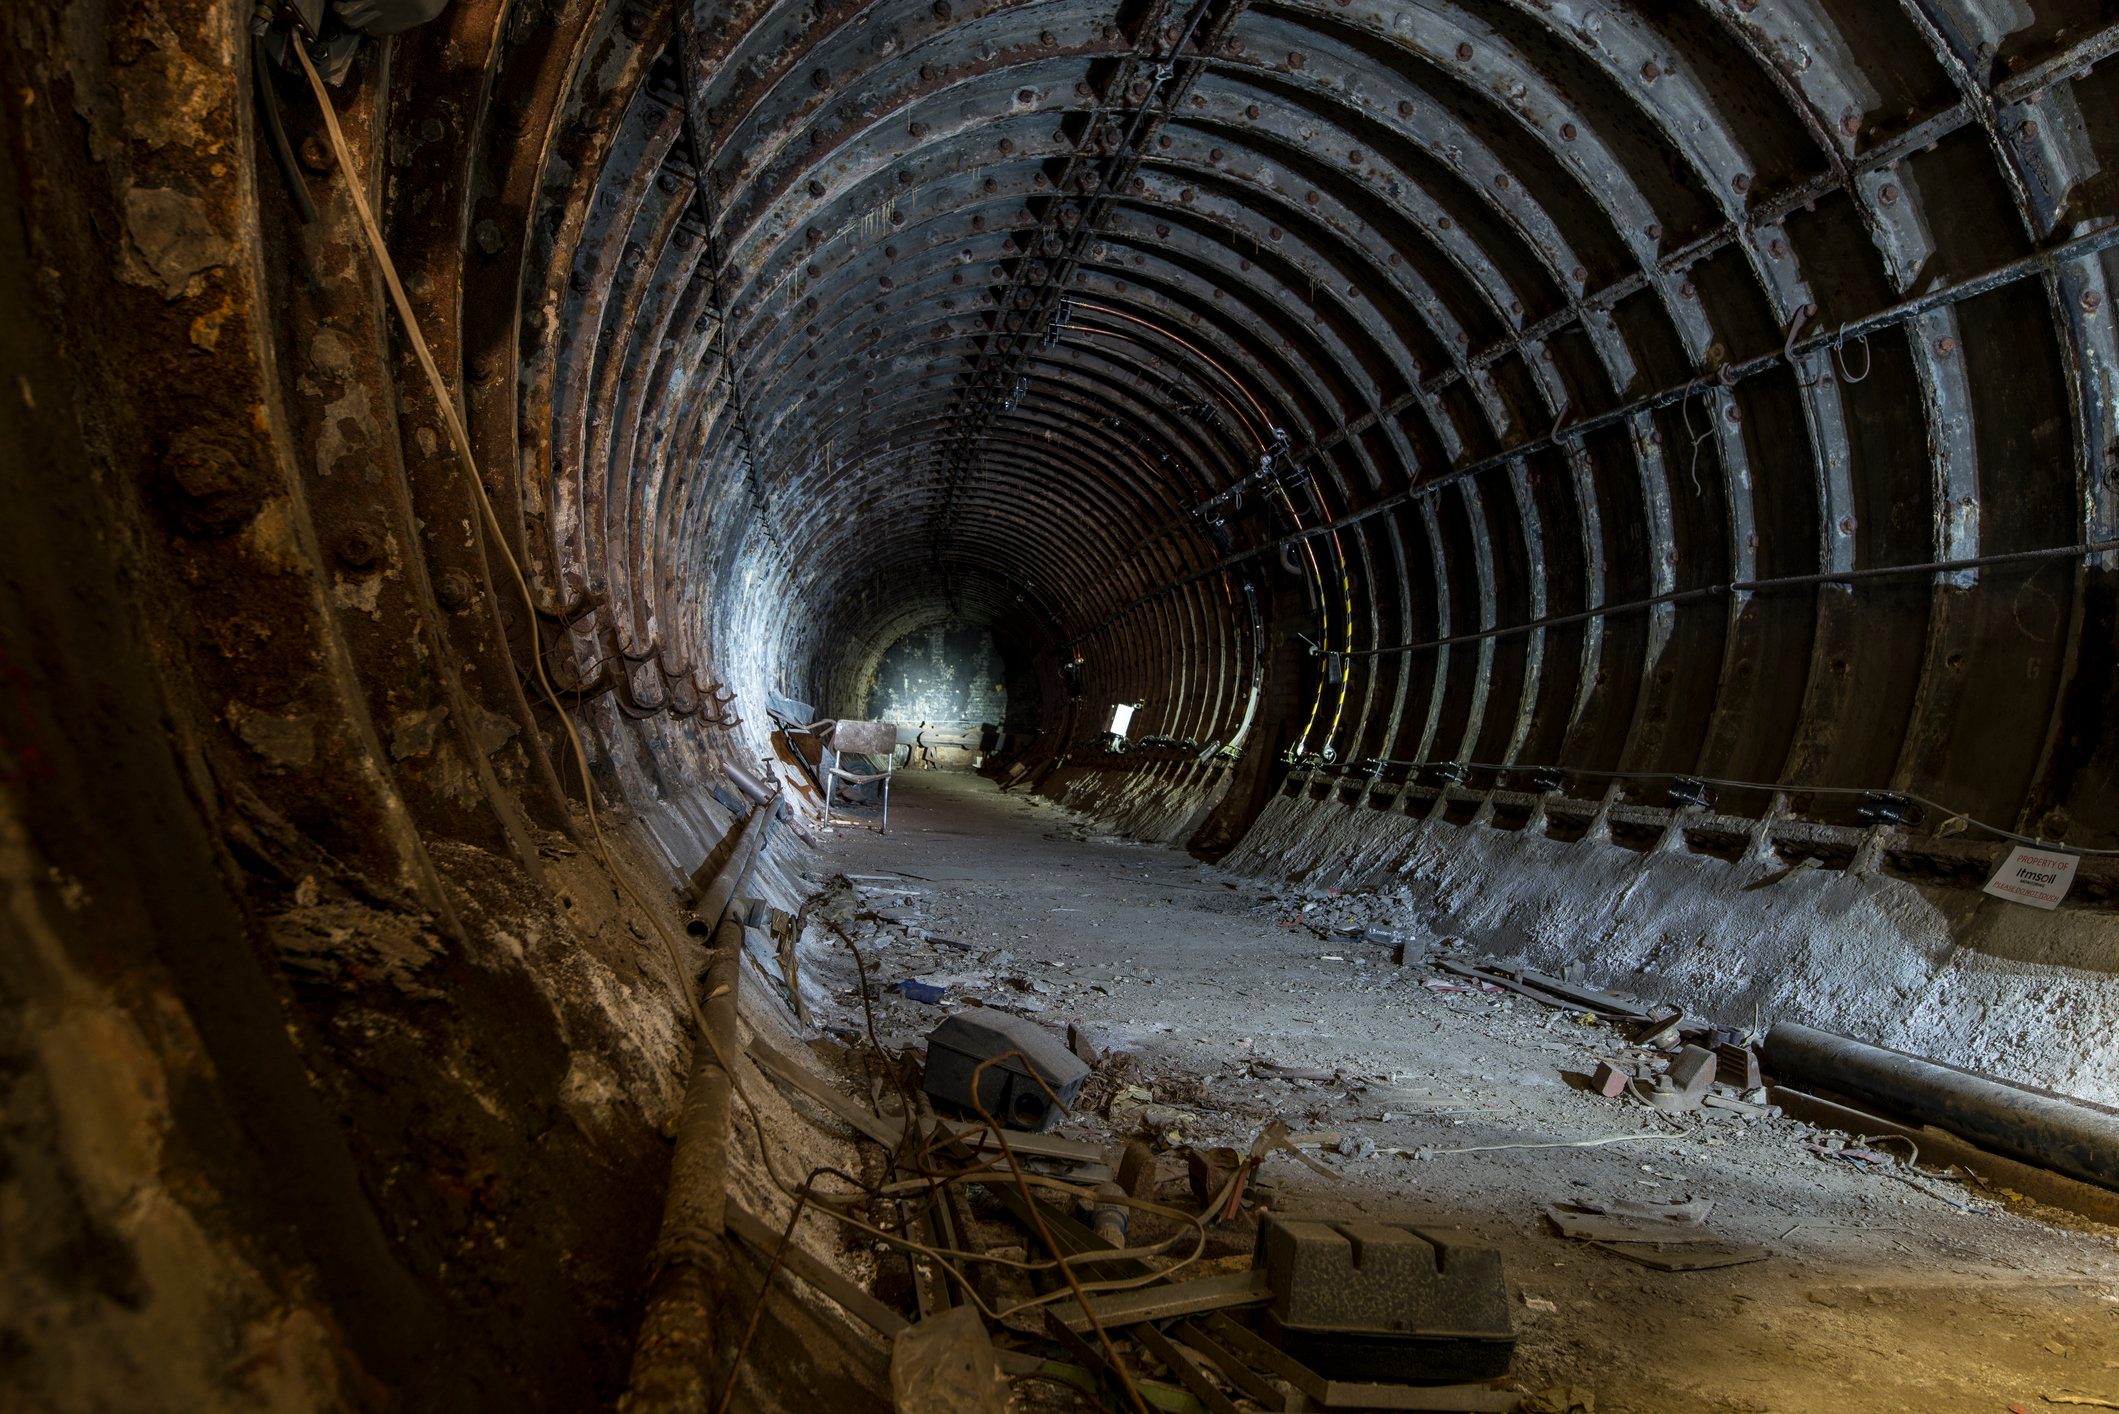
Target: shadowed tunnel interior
[(1478, 353), (1565, 459)]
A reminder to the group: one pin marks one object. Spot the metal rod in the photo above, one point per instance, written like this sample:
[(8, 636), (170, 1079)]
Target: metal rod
[(2061, 1134), (1747, 586), (1374, 767)]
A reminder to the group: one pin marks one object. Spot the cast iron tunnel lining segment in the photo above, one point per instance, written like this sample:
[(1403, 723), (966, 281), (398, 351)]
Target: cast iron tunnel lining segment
[(1433, 247)]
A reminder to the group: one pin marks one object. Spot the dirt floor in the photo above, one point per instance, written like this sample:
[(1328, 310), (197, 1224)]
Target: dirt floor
[(1233, 1002)]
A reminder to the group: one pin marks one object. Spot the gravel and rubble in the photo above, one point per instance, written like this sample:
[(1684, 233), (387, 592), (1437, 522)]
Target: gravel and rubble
[(1217, 1004)]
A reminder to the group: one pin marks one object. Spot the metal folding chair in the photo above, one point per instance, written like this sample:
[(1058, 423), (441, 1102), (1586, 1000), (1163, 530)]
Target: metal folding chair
[(844, 738)]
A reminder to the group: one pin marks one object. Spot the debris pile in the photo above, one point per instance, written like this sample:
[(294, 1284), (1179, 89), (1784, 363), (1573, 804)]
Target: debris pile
[(1109, 1275), (1129, 1231)]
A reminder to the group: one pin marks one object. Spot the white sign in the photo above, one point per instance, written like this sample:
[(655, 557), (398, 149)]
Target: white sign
[(2038, 877)]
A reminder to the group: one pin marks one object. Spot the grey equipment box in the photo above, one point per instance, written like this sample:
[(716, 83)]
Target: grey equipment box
[(1364, 1300), (956, 1048)]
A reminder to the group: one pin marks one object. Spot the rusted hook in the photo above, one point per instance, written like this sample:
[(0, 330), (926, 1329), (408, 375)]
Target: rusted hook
[(1795, 329)]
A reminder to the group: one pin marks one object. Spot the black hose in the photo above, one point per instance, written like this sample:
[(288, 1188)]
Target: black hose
[(268, 101)]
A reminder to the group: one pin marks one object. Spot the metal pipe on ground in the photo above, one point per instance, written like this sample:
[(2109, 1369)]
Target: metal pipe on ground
[(673, 1355), (709, 894), (760, 794), (2079, 1140)]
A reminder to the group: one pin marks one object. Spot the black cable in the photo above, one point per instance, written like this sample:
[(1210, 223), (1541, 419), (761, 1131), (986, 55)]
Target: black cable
[(1748, 586), (268, 101)]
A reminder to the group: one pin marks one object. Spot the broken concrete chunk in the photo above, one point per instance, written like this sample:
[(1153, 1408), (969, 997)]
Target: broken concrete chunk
[(1136, 1169), (1078, 1042), (1610, 1080), (1691, 1072)]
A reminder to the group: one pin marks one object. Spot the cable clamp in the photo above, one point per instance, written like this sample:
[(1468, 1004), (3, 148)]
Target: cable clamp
[(1883, 807), (1689, 793)]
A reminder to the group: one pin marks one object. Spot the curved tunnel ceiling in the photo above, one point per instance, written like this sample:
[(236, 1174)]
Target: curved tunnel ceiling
[(1716, 388)]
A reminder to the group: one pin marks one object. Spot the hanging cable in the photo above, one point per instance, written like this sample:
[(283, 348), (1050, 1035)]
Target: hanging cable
[(1685, 411)]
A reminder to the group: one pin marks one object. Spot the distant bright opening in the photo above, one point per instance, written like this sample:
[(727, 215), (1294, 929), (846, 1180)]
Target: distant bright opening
[(1121, 718)]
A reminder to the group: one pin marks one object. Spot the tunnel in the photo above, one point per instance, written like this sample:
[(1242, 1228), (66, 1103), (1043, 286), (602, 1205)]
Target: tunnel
[(1407, 556)]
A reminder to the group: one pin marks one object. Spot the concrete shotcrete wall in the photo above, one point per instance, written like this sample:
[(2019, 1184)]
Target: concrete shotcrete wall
[(1939, 970)]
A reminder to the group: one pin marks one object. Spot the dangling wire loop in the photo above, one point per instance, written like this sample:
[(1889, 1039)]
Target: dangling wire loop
[(1868, 360)]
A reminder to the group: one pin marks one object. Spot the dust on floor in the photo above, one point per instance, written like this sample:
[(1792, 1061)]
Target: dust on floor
[(1233, 1001)]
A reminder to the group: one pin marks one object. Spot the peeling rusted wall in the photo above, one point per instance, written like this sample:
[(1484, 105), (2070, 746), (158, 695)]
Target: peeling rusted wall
[(334, 1072)]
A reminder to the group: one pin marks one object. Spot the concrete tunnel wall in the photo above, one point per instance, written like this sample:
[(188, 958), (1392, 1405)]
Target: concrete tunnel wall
[(1453, 426)]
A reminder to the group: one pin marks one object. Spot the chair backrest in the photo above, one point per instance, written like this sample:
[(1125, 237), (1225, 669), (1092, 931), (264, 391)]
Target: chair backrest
[(854, 738)]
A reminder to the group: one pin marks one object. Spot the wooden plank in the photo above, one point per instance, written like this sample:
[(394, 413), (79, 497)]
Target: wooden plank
[(1567, 997), (1188, 1375), (834, 1284), (1255, 1349), (930, 1286), (1169, 1300), (780, 1067), (1440, 1399), (1603, 1227), (1253, 1386), (1573, 993), (1474, 974), (1696, 1259), (1024, 1143)]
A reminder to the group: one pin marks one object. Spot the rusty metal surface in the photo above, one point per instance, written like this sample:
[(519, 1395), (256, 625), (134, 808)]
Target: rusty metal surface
[(1206, 349), (979, 308)]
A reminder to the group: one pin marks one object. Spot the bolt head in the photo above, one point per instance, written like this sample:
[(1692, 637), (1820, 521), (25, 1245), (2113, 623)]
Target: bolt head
[(212, 488), (359, 547)]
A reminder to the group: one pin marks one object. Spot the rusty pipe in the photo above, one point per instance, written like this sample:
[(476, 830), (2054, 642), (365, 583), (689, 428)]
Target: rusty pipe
[(2060, 1134), (672, 1355), (675, 1345)]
